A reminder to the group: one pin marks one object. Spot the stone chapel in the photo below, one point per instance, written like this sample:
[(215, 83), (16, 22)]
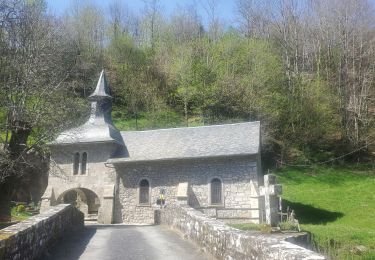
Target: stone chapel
[(119, 176)]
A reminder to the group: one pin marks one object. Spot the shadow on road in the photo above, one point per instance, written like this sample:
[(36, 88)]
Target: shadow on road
[(72, 245)]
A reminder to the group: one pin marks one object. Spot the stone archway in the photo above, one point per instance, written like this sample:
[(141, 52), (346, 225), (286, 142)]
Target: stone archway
[(85, 200)]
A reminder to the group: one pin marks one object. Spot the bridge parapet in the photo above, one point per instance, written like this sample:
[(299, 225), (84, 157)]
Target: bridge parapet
[(225, 242), (28, 239)]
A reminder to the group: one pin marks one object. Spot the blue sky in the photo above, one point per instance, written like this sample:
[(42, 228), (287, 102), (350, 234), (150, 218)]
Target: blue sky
[(226, 8)]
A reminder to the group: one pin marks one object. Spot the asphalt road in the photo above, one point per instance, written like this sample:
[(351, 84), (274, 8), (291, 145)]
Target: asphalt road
[(104, 242)]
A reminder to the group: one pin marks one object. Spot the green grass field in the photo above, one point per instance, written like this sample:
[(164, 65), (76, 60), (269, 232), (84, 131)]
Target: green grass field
[(335, 204)]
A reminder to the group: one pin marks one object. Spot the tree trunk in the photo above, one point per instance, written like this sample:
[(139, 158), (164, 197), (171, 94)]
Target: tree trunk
[(18, 140), (5, 198)]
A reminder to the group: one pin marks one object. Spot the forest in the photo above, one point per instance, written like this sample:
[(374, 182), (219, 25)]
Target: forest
[(305, 69)]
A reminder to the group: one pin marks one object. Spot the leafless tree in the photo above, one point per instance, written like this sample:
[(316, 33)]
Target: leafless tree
[(253, 17), (186, 24), (152, 21), (214, 23)]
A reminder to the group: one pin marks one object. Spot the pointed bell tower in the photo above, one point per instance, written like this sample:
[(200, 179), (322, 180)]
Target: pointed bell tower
[(99, 126), (101, 102)]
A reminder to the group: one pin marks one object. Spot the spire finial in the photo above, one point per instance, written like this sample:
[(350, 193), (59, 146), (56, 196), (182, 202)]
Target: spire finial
[(102, 90)]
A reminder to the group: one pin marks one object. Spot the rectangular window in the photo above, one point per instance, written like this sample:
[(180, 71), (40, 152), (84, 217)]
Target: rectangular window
[(144, 192), (216, 194), (76, 164)]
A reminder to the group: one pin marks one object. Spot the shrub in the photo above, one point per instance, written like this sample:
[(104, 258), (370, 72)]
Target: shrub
[(20, 208), (266, 229), (288, 226)]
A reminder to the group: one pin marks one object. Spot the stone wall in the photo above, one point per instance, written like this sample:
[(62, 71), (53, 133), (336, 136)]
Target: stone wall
[(98, 176), (28, 239), (238, 175), (224, 242)]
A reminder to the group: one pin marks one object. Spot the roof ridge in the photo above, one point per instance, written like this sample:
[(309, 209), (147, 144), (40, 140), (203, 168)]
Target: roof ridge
[(193, 127)]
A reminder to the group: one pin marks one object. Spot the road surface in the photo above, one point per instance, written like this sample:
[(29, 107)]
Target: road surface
[(112, 242)]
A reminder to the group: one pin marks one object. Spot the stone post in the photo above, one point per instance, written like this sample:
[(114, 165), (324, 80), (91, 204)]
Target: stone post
[(106, 212), (182, 193), (271, 192), (48, 200)]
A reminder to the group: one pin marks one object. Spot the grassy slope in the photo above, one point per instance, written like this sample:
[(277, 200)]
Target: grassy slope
[(337, 205)]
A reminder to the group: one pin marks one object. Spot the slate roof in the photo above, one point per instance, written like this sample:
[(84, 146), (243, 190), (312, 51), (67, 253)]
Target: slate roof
[(99, 127), (191, 142), (90, 132)]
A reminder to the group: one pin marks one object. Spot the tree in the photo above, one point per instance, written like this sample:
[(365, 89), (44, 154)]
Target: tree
[(35, 62), (84, 26), (214, 25)]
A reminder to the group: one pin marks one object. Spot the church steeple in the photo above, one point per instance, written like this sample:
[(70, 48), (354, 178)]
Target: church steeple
[(102, 90), (101, 102), (99, 127)]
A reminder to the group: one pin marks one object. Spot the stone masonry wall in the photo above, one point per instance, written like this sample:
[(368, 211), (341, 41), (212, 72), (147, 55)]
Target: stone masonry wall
[(29, 238), (238, 175), (224, 242)]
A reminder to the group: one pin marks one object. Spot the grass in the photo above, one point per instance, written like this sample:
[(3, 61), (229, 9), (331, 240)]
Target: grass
[(19, 216), (16, 216), (335, 204), (146, 121), (247, 226)]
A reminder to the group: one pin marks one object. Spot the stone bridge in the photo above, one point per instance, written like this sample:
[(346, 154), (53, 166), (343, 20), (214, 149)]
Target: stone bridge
[(182, 233)]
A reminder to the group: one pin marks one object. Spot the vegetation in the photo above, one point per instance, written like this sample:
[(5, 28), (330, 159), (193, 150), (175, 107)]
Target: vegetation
[(19, 213), (335, 204)]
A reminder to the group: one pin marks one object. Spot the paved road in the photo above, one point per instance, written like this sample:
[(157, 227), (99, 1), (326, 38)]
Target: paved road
[(111, 242)]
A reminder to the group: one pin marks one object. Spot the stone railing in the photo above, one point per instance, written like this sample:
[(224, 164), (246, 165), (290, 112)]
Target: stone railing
[(224, 242), (29, 239)]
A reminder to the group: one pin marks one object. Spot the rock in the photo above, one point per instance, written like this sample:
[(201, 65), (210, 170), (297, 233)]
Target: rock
[(360, 249)]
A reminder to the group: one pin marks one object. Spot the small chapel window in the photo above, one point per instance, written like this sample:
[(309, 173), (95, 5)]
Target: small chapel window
[(144, 192), (84, 163), (76, 164), (216, 191)]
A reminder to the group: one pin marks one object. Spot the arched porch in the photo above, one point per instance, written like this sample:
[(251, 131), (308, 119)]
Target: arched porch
[(84, 199)]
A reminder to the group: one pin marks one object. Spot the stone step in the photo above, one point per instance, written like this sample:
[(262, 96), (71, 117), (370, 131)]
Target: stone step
[(91, 217)]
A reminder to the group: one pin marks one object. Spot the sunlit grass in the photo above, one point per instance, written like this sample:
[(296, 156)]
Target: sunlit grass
[(335, 204)]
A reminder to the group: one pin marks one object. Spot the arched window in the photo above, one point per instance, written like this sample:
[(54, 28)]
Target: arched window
[(76, 163), (216, 193), (144, 192), (84, 163)]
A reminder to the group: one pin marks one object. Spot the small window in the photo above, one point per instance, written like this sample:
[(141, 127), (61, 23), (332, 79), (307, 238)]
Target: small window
[(84, 163), (144, 192), (76, 164), (216, 197)]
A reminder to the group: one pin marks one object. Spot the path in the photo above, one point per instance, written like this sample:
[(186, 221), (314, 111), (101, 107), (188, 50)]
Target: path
[(111, 242)]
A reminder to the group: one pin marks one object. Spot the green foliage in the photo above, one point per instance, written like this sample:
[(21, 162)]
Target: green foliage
[(18, 213), (247, 226), (263, 228), (335, 204), (288, 226), (144, 121), (20, 208), (266, 229)]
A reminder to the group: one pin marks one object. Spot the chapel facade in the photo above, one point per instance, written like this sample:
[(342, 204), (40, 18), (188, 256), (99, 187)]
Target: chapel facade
[(122, 177)]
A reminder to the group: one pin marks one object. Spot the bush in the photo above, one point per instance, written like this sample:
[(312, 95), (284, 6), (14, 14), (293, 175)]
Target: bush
[(266, 229), (20, 208), (288, 226)]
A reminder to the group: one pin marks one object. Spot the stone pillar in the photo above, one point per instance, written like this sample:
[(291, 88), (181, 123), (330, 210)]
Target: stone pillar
[(271, 192), (182, 193), (48, 199), (105, 215)]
